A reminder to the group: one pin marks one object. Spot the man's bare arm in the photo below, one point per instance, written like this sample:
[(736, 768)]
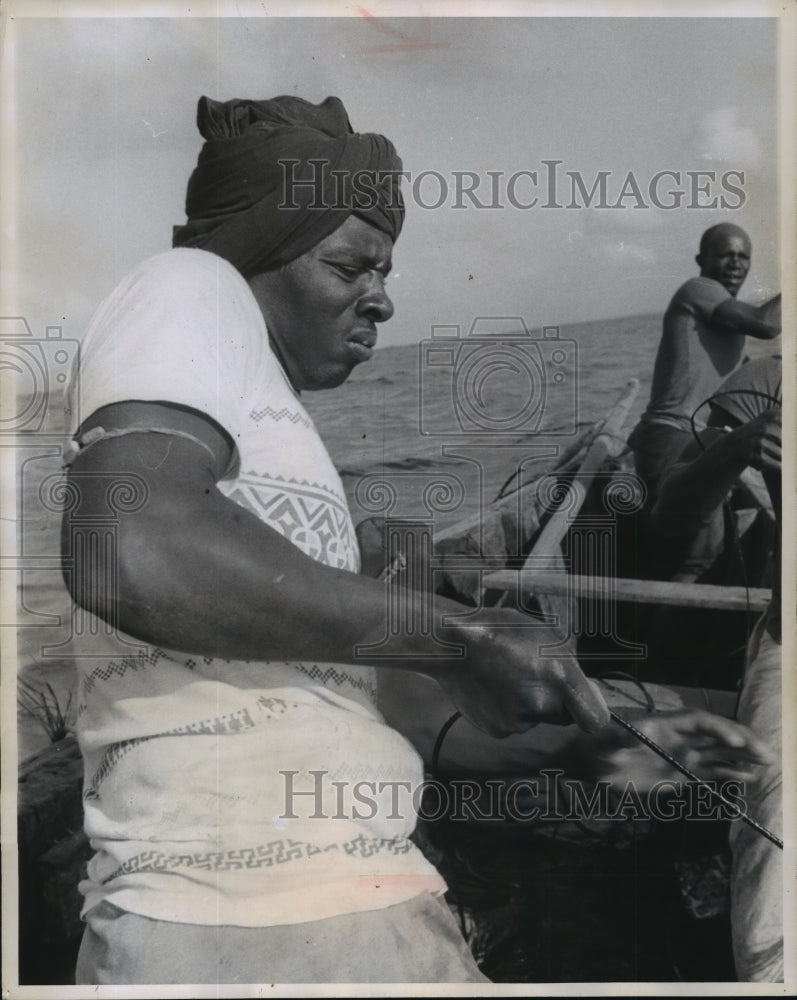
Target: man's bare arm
[(201, 574), (715, 747), (761, 322), (697, 485)]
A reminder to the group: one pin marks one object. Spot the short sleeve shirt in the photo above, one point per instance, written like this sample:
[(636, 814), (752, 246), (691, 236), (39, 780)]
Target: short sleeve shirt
[(694, 354), (223, 791)]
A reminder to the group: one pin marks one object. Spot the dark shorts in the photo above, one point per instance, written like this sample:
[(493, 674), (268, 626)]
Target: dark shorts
[(656, 447)]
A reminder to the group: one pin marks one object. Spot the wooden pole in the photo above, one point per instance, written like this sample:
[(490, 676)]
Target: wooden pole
[(683, 595), (604, 445)]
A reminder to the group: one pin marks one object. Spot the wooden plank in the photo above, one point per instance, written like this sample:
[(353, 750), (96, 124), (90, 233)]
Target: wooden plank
[(684, 595), (605, 443)]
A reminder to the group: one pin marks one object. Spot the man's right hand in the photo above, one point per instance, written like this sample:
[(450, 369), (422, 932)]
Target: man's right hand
[(771, 311), (759, 440), (507, 683)]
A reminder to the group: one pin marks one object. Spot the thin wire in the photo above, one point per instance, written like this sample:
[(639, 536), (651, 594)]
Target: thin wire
[(693, 777), (438, 746), (650, 704), (730, 392)]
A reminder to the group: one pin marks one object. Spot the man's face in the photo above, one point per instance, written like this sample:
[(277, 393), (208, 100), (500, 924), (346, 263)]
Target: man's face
[(321, 310), (727, 260)]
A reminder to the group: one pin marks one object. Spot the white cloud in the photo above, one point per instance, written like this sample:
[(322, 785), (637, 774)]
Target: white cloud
[(628, 250), (722, 136)]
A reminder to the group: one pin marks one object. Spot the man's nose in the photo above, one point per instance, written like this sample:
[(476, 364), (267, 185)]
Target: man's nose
[(375, 303)]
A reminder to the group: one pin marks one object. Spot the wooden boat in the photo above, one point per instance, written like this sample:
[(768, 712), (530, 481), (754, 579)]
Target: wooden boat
[(539, 531), (517, 524), (521, 551)]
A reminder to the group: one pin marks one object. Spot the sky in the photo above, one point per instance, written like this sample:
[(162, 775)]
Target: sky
[(103, 123)]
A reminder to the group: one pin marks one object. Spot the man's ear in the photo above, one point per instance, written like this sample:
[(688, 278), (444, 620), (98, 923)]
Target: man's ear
[(699, 260)]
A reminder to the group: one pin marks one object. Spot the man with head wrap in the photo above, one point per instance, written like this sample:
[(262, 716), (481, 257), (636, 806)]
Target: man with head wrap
[(276, 177), (250, 809)]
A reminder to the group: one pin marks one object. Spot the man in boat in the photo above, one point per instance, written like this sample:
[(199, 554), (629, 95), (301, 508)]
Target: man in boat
[(703, 340), (223, 753), (744, 432), (726, 543)]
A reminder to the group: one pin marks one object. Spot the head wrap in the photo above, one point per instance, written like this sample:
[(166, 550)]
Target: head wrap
[(276, 177)]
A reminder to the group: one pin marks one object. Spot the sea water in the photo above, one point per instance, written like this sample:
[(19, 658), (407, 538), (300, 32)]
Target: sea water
[(477, 407), (431, 429)]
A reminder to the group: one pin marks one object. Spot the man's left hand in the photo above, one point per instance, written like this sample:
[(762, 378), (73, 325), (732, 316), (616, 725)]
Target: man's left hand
[(712, 747)]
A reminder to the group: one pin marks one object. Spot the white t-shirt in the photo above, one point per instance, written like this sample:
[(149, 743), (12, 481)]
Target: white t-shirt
[(218, 791)]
